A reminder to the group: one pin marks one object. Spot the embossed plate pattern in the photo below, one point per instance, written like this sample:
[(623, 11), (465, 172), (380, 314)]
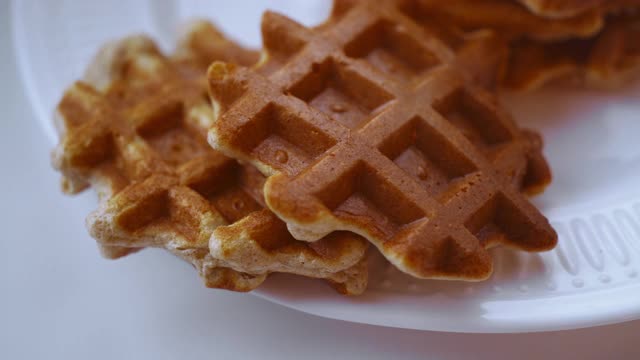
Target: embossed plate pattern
[(592, 278)]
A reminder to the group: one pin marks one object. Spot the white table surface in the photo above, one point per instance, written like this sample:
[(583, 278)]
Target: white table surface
[(60, 300)]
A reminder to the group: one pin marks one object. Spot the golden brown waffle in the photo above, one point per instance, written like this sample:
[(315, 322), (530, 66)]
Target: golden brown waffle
[(513, 19), (610, 59), (363, 124), (200, 43), (481, 53), (136, 132), (560, 8), (543, 48), (569, 8)]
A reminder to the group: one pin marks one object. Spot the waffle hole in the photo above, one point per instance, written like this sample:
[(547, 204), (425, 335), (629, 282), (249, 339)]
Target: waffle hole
[(391, 49), (477, 121)]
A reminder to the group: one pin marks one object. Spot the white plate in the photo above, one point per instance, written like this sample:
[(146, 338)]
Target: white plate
[(592, 278)]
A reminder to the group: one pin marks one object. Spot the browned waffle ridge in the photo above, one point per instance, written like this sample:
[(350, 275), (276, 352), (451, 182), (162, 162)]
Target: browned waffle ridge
[(138, 135), (570, 8), (510, 17), (610, 59), (481, 53), (545, 48), (364, 124)]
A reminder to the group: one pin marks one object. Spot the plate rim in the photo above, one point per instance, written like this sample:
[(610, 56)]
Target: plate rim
[(626, 310)]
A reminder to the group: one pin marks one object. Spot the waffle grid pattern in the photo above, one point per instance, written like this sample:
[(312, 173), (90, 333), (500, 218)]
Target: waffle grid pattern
[(366, 127), (141, 143)]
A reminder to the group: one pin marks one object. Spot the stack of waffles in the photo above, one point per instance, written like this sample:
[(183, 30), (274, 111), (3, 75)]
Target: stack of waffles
[(380, 126), (593, 43)]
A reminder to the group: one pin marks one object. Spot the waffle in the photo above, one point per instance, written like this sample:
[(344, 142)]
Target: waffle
[(610, 59), (514, 19), (569, 8), (364, 124), (481, 53), (542, 48), (135, 130), (560, 8), (199, 43)]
